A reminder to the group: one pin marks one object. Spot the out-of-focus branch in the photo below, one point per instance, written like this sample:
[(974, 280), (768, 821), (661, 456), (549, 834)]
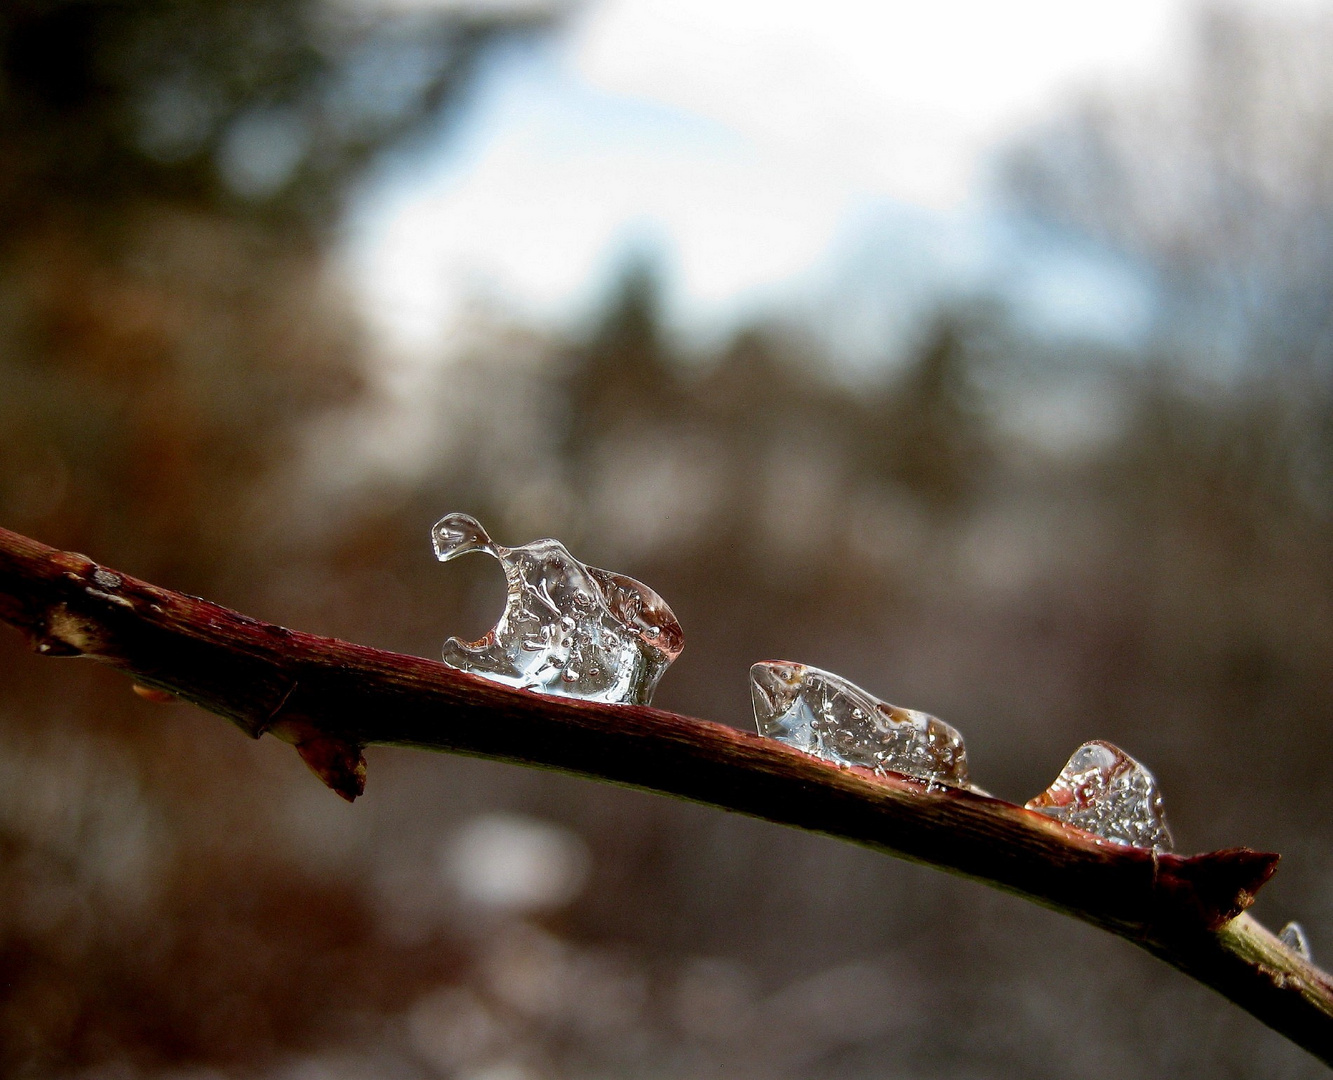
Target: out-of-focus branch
[(331, 698)]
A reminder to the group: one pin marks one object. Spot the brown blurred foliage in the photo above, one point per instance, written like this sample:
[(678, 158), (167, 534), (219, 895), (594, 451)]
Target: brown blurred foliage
[(178, 378), (169, 176)]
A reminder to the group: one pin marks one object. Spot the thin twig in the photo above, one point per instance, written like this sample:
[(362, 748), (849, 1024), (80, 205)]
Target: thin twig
[(331, 698)]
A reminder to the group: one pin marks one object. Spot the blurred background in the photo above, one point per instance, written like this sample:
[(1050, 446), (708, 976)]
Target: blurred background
[(981, 355)]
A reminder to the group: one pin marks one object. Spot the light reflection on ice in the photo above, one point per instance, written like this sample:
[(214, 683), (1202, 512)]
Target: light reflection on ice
[(567, 629), (825, 715), (1105, 791)]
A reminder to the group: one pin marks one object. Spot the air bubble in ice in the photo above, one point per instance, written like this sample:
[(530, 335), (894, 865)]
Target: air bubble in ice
[(1293, 937), (1105, 791), (825, 715), (567, 628)]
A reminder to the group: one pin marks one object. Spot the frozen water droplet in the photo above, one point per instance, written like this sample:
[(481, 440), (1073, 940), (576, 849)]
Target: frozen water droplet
[(825, 715), (456, 534), (567, 628), (1293, 937), (1105, 791)]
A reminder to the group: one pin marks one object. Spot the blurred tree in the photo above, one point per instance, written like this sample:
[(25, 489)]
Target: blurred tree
[(1219, 183), (268, 110), (1220, 180), (171, 176), (623, 379), (929, 431), (169, 173)]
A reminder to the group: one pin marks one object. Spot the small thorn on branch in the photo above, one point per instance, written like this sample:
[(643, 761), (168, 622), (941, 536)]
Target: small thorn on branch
[(1215, 887), (152, 693), (338, 762)]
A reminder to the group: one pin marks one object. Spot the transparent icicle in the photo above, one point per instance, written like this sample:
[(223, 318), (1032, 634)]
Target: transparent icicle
[(567, 628), (825, 715), (1105, 791)]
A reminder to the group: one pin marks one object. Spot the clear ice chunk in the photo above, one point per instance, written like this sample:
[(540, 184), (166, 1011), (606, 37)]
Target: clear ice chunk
[(825, 715), (1293, 937), (1105, 791), (567, 628)]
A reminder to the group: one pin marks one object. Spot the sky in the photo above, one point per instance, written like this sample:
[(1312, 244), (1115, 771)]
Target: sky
[(826, 162)]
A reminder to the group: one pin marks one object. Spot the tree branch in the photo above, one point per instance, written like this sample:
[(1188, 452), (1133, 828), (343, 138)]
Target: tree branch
[(331, 698)]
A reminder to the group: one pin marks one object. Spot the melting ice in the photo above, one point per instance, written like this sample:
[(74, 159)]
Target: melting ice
[(825, 715), (1105, 791), (567, 628), (1293, 937)]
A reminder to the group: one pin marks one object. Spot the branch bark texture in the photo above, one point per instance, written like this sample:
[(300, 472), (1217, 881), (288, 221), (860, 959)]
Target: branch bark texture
[(331, 698)]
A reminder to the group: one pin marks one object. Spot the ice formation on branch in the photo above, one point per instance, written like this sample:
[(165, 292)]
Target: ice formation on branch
[(1105, 791), (567, 628), (1293, 937), (825, 715)]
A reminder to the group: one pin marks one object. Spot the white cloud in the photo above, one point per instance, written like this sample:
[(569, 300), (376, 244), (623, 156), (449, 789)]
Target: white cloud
[(897, 96), (738, 139)]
